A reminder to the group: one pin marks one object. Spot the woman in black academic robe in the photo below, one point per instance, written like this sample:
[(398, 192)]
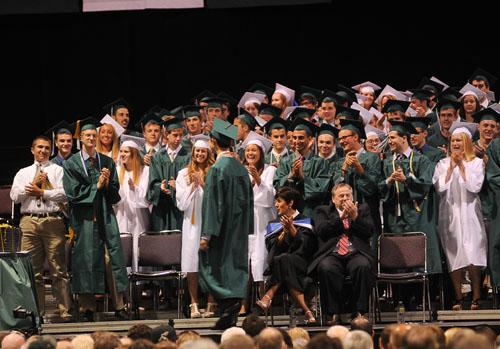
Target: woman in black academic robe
[(289, 242)]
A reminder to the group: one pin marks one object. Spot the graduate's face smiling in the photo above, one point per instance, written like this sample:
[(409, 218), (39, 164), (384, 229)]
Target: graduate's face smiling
[(348, 140), (417, 140), (325, 144), (469, 103), (371, 143), (396, 142), (278, 137), (89, 138), (328, 111), (446, 117), (278, 100), (242, 129), (125, 155), (152, 133), (341, 195), (488, 129), (301, 140), (252, 154), (481, 84), (106, 134), (457, 144), (200, 155), (122, 117), (174, 138), (252, 109), (370, 96), (41, 150), (64, 142)]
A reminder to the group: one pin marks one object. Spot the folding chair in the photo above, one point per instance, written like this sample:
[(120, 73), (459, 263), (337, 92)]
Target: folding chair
[(407, 251), (160, 250)]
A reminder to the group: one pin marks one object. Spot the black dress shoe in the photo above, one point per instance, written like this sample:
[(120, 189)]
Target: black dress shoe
[(88, 316), (335, 320), (229, 317), (122, 315)]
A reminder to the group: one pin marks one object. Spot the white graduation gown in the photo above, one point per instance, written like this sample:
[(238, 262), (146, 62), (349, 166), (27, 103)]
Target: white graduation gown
[(263, 212), (189, 202), (132, 211), (460, 223)]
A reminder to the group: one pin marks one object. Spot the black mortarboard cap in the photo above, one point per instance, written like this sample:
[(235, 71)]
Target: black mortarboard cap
[(300, 124), (403, 127), (422, 122), (421, 94), (203, 96), (269, 109), (486, 114), (149, 117), (481, 74), (393, 105), (347, 92), (353, 125), (448, 102), (262, 89), (328, 129), (427, 84), (301, 112), (309, 92), (173, 123), (348, 113), (113, 106), (276, 123)]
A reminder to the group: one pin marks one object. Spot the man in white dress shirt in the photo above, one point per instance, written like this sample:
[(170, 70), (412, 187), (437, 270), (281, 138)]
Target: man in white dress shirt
[(39, 190)]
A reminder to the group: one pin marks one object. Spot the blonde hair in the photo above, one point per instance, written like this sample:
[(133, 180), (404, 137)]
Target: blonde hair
[(195, 167), (115, 144), (298, 332), (136, 164), (468, 147)]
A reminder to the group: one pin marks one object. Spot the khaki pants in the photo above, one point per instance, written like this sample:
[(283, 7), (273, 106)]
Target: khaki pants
[(87, 300), (44, 238)]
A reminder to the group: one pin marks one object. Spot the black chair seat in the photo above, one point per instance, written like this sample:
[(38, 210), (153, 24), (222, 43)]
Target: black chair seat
[(401, 276), (154, 275)]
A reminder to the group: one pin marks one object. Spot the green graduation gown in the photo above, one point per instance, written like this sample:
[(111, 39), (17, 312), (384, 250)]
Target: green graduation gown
[(270, 158), (165, 214), (432, 153), (417, 208), (364, 187), (314, 186), (493, 183), (94, 222), (227, 218), (437, 140)]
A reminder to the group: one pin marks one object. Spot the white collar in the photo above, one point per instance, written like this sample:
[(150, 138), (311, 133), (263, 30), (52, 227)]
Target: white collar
[(295, 214), (174, 151), (87, 155), (407, 152), (44, 164), (285, 151), (156, 147)]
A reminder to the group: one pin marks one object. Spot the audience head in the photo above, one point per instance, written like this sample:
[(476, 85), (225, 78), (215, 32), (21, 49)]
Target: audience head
[(140, 331), (298, 332), (142, 344), (230, 332), (385, 336), (83, 341), (270, 338), (357, 339), (64, 345), (237, 341), (469, 339), (363, 324), (44, 342), (420, 337), (486, 331), (397, 335), (322, 341), (200, 343), (13, 340), (253, 325), (286, 338), (166, 344), (337, 331), (105, 340), (187, 336), (163, 332)]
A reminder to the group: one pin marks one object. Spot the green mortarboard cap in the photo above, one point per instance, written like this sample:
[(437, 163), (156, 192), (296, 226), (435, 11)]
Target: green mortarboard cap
[(214, 102), (422, 122), (431, 86), (393, 105), (148, 118), (262, 89), (445, 103), (481, 74), (248, 119), (404, 128), (347, 112), (203, 96), (276, 123), (190, 111), (227, 99), (301, 112), (267, 109), (224, 132), (328, 129), (83, 125), (307, 92), (113, 106), (346, 92), (330, 96), (421, 94), (159, 111), (450, 93), (301, 124), (61, 127), (174, 123), (353, 125), (486, 114)]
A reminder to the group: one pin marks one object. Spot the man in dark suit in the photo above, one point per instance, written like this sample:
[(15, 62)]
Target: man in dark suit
[(343, 230)]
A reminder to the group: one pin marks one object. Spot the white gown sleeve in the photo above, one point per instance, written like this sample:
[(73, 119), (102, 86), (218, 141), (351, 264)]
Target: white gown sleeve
[(439, 176), (183, 193), (474, 174), (138, 196), (263, 194)]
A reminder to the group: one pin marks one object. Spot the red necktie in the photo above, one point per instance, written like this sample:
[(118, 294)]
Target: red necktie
[(343, 244)]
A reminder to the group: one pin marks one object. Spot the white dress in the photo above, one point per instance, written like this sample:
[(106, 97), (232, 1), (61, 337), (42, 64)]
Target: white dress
[(460, 223), (189, 202), (132, 211), (263, 212)]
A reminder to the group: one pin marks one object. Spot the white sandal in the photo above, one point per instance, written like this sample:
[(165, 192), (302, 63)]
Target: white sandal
[(210, 311), (194, 311)]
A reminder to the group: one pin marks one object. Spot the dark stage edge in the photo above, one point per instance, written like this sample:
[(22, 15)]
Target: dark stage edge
[(446, 319)]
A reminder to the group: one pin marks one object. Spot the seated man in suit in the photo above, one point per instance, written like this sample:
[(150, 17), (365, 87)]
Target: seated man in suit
[(343, 230)]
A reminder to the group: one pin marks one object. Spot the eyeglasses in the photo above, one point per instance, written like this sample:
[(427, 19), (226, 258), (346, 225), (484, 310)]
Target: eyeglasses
[(344, 137)]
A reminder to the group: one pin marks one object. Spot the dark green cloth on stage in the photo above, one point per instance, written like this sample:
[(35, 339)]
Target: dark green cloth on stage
[(437, 140), (417, 207), (227, 219), (314, 186), (432, 153), (364, 187), (165, 214), (94, 222), (493, 182)]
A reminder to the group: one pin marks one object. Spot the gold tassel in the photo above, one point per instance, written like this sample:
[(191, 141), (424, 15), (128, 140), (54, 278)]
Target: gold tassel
[(192, 213)]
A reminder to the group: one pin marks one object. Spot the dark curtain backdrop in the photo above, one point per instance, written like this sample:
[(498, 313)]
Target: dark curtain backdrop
[(66, 66)]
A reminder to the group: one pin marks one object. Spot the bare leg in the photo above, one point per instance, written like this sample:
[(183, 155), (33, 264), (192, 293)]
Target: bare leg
[(192, 281), (456, 279), (475, 279), (299, 298)]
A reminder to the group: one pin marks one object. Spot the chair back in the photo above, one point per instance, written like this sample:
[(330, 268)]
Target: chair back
[(158, 249), (402, 251), (5, 202), (127, 242)]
